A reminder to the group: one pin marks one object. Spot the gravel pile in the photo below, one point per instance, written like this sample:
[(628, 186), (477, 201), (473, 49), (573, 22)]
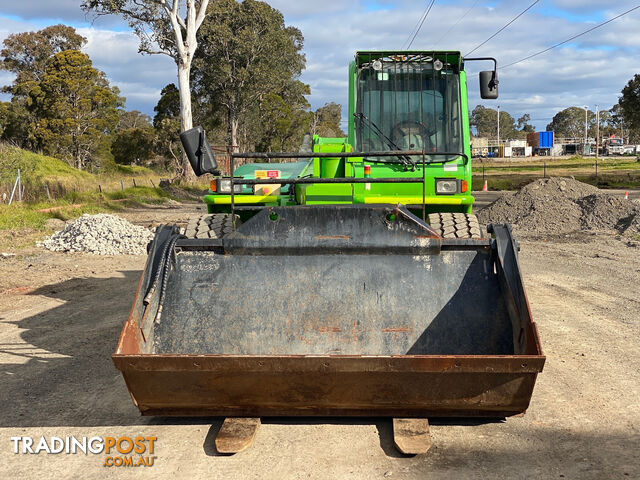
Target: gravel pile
[(100, 235), (560, 206)]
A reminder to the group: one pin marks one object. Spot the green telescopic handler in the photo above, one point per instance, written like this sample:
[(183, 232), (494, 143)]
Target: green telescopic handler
[(348, 279)]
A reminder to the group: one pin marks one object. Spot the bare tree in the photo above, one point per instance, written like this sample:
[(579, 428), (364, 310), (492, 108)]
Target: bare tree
[(166, 27)]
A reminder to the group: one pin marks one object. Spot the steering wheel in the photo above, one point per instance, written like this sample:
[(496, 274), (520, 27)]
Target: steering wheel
[(411, 135)]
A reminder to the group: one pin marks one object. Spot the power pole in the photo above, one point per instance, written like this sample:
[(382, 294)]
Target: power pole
[(597, 130), (586, 122), (498, 129)]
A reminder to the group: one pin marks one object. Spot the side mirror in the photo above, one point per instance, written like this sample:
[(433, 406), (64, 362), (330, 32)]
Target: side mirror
[(489, 85), (199, 152)]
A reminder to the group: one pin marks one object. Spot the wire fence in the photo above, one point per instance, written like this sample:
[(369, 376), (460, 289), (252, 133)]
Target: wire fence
[(597, 171), (13, 190)]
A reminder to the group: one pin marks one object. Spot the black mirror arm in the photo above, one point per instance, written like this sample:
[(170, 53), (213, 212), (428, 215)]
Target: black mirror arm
[(494, 81), (484, 59)]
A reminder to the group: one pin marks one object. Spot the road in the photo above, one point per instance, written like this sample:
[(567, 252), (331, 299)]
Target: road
[(61, 314)]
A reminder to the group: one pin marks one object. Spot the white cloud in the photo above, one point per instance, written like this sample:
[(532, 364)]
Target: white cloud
[(592, 70), (35, 9), (140, 78)]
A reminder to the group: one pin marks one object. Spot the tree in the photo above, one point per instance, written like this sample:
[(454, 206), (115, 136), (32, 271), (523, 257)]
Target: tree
[(76, 107), (570, 123), (245, 53), (134, 138), (5, 116), (167, 143), (168, 106), (621, 127), (485, 120), (326, 121), (166, 123), (285, 118), (133, 145), (523, 124), (133, 119), (162, 30), (606, 126), (26, 55), (629, 103)]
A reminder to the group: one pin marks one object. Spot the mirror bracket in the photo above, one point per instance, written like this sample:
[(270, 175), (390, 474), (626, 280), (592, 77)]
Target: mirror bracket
[(488, 79)]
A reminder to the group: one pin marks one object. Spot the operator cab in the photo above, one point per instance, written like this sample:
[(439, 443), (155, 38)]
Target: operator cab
[(408, 102)]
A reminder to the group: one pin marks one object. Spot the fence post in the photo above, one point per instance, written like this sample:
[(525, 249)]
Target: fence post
[(15, 185), (596, 170), (20, 191), (100, 188), (46, 186), (122, 185), (153, 184), (134, 183), (545, 169)]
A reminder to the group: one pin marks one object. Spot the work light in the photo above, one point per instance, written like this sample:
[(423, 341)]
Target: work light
[(224, 186), (447, 187)]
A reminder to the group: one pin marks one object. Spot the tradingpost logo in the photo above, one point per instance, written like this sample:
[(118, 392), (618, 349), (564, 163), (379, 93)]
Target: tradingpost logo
[(118, 451)]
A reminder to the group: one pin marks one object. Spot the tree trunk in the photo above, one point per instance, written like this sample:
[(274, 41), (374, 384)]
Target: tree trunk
[(232, 120), (186, 116)]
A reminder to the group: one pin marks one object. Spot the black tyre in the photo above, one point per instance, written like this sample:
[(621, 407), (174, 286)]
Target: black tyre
[(455, 225), (211, 226)]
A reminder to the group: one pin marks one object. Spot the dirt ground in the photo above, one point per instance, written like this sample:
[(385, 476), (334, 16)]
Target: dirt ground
[(61, 314)]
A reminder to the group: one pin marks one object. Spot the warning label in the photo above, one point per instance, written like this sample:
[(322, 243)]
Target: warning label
[(264, 174), (267, 189)]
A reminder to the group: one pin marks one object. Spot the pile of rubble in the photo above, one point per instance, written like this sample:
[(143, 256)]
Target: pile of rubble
[(563, 205), (101, 235)]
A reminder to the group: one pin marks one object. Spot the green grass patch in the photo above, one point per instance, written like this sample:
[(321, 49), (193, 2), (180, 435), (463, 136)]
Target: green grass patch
[(73, 193), (54, 181), (35, 167), (29, 216), (134, 170), (515, 181), (501, 183), (149, 195), (513, 175), (19, 216)]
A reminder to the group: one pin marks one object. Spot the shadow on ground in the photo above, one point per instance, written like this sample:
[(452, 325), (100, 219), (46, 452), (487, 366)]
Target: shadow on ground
[(75, 383)]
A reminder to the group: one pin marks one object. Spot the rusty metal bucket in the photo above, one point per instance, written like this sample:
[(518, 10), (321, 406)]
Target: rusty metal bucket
[(331, 310)]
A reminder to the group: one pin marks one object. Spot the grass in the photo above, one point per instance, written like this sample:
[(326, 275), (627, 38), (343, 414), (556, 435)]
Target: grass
[(40, 172), (32, 216), (73, 193), (36, 171), (511, 174)]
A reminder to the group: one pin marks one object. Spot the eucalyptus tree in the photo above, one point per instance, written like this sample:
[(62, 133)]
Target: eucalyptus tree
[(166, 27)]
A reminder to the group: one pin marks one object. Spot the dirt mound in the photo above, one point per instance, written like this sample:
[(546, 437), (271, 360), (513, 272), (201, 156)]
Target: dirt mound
[(603, 212), (562, 205), (183, 194)]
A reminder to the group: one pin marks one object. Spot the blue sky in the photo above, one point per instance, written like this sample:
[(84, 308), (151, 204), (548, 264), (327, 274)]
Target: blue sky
[(590, 71)]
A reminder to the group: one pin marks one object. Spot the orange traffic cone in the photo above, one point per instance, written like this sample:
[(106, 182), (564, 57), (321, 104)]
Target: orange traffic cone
[(626, 195), (485, 187)]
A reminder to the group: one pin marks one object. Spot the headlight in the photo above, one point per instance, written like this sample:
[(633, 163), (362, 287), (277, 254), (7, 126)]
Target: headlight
[(224, 186), (447, 187)]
